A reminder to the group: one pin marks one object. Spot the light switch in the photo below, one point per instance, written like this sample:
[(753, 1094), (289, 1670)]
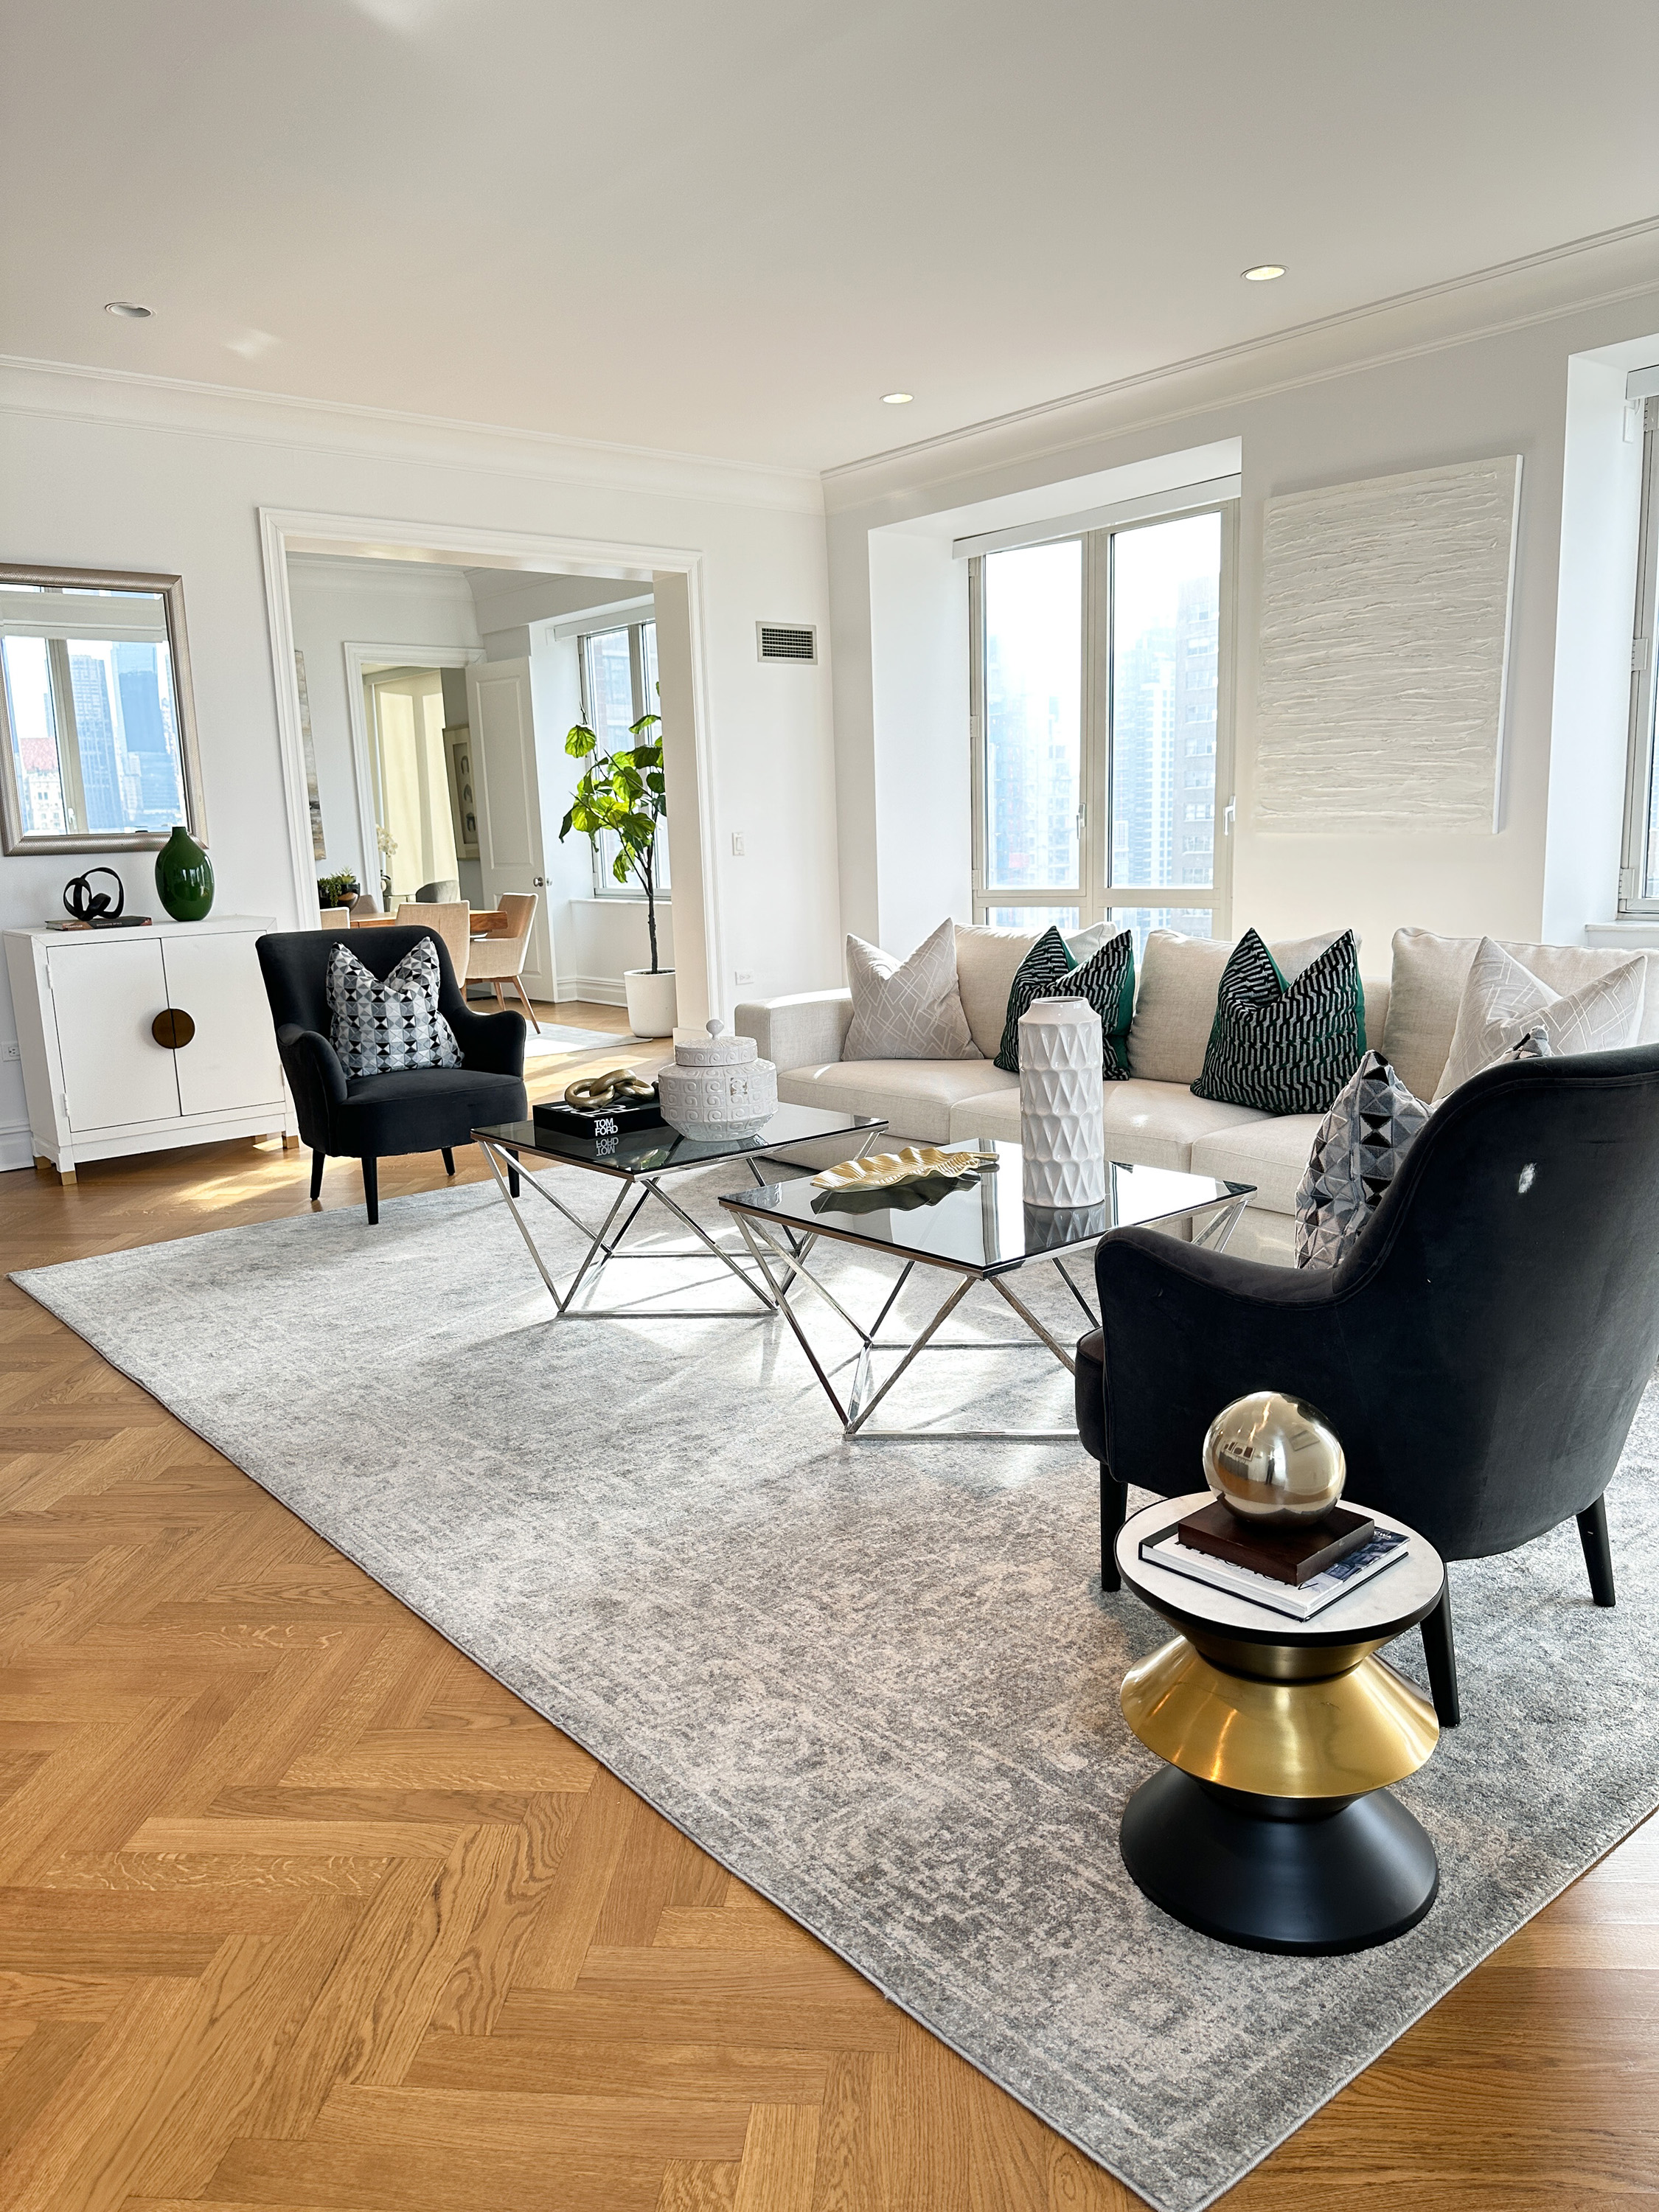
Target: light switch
[(736, 844)]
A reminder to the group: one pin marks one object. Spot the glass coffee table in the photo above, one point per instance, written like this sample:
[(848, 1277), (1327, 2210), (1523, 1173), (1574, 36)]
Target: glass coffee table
[(977, 1234), (638, 1161)]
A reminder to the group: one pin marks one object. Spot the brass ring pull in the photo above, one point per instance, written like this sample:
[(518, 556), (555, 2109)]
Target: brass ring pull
[(172, 1027), (616, 1085)]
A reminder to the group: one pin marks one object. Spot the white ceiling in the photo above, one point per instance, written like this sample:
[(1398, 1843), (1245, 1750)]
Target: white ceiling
[(727, 228)]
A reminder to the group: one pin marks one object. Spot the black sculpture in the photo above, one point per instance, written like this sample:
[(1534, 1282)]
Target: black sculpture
[(98, 909)]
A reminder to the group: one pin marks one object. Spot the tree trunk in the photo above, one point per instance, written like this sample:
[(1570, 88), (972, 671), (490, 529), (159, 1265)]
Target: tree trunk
[(651, 908)]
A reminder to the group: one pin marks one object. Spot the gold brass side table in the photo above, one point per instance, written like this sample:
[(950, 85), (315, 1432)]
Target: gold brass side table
[(1273, 1826)]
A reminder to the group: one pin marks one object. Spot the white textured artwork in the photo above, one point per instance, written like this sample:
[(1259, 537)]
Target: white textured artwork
[(1385, 626)]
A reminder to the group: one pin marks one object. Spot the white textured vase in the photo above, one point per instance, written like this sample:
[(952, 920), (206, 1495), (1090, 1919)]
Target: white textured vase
[(1061, 1130)]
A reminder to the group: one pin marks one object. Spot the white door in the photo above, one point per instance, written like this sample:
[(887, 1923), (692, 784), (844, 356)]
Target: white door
[(510, 852), (231, 1063), (104, 996)]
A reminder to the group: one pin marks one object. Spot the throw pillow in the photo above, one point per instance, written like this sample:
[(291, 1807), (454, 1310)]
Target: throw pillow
[(1359, 1150), (1107, 980), (1502, 1000), (380, 1025), (908, 1009), (1284, 1048), (1041, 974)]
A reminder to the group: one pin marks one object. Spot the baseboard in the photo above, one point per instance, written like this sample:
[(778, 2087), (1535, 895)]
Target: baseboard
[(17, 1146), (598, 990)]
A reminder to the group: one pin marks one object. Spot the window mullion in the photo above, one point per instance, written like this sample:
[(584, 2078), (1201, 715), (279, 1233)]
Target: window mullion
[(1637, 860), (1093, 846)]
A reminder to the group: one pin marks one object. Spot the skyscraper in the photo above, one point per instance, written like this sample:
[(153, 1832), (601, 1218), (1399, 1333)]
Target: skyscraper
[(100, 775), (145, 729)]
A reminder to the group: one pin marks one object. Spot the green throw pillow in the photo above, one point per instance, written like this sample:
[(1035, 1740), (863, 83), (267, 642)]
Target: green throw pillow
[(1284, 1048), (1106, 979)]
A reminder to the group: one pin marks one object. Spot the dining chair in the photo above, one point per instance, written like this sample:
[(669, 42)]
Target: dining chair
[(450, 920), (499, 958), (334, 917)]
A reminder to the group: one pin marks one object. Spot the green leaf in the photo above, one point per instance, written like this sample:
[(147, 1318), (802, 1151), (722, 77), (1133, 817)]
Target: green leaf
[(564, 826), (655, 783), (619, 867), (579, 741)]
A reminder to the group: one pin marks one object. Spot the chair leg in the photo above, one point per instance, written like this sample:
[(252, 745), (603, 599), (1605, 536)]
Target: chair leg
[(529, 1010), (1442, 1656), (318, 1160), (495, 985), (1113, 1511), (1598, 1551), (449, 1160), (512, 1181), (372, 1190)]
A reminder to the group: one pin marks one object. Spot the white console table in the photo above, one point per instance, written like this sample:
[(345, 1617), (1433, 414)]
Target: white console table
[(109, 1066)]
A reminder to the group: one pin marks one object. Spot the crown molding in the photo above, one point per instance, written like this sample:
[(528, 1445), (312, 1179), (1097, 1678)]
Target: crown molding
[(335, 572), (174, 405), (1582, 275)]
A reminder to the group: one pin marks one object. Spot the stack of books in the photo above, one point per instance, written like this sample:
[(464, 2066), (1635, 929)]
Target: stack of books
[(1297, 1571)]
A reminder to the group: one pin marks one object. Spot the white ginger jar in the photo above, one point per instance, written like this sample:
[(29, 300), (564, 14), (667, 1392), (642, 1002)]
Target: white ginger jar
[(717, 1089)]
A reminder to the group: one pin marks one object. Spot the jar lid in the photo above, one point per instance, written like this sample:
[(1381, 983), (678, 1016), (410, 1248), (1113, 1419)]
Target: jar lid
[(722, 1049)]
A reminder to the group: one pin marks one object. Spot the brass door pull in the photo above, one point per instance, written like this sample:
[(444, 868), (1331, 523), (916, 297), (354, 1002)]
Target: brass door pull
[(172, 1027)]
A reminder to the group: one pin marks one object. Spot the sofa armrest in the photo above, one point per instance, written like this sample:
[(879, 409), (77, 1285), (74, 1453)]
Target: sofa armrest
[(314, 1076), (806, 1031), (493, 1043)]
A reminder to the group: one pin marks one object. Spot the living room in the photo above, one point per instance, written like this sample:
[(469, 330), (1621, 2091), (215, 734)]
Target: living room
[(656, 1696)]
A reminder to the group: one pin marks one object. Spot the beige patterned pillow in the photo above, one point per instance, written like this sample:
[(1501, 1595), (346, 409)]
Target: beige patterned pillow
[(910, 1009), (1502, 1000)]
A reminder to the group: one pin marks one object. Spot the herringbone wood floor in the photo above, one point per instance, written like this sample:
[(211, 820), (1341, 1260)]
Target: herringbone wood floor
[(299, 1909)]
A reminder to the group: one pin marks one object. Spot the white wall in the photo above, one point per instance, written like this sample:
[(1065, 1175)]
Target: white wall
[(337, 602), (1426, 394), (127, 473)]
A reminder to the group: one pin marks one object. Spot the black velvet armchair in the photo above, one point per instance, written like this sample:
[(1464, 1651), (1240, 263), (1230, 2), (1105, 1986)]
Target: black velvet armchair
[(1480, 1352), (371, 1117)]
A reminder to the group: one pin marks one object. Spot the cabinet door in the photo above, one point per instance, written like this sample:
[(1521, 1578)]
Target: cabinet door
[(231, 1063), (104, 998)]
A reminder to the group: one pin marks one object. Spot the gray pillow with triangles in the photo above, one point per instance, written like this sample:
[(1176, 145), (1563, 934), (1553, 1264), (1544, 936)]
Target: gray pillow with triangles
[(1361, 1142)]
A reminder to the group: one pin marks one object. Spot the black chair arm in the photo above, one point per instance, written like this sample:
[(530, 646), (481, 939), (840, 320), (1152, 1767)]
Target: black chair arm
[(315, 1077), (492, 1043), (1187, 1330)]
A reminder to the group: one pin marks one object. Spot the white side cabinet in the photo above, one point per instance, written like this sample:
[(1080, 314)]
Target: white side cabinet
[(93, 1028)]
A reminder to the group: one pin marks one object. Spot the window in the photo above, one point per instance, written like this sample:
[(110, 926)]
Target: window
[(1102, 758), (619, 685), (1638, 876)]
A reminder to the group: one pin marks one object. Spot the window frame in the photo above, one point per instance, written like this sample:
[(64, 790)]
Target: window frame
[(1095, 895), (1641, 764), (601, 849)]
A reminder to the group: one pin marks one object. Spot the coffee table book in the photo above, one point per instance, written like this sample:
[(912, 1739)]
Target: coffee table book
[(1292, 1554), (555, 1118), (1300, 1602)]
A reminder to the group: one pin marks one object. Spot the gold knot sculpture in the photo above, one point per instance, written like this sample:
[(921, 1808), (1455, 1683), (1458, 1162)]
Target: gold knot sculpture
[(591, 1094)]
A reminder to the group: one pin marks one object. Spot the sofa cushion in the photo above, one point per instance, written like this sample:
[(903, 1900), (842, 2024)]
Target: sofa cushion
[(915, 1096), (1270, 1151), (1176, 1012), (1150, 1125), (987, 962), (908, 1009), (1427, 989), (1281, 1045), (1504, 1000)]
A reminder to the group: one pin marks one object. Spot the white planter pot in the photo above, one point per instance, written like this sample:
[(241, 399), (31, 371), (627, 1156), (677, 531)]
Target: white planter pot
[(652, 1007), (1061, 1132)]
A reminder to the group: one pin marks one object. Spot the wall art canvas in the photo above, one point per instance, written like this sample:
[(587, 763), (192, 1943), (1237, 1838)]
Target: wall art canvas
[(463, 798), (1385, 630), (318, 848)]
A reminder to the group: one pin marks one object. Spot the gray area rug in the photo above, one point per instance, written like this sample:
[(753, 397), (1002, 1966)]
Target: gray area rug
[(878, 1682)]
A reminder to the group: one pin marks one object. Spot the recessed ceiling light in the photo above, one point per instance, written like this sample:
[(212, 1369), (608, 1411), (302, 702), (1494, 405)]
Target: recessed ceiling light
[(896, 398), (128, 310), (1264, 272)]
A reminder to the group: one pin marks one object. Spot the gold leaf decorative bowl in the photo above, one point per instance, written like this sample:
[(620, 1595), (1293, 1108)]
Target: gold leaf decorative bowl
[(885, 1170)]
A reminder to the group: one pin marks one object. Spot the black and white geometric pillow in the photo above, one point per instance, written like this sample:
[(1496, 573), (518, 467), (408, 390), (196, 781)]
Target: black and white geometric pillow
[(1284, 1048), (1042, 973), (380, 1025), (1107, 980), (1360, 1147)]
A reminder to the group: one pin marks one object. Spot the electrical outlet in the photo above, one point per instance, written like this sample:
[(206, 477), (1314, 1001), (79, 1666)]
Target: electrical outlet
[(736, 844), (742, 976), (9, 1049)]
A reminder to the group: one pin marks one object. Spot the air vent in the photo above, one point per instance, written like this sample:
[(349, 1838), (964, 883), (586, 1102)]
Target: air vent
[(786, 642)]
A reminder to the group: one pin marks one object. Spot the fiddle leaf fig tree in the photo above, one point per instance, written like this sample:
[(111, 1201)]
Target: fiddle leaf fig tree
[(622, 792)]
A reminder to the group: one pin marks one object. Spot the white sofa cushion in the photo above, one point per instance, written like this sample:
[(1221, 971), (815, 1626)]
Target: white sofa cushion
[(986, 962), (1270, 1151), (1175, 1009), (915, 1096), (1150, 1125), (1429, 976), (801, 1031)]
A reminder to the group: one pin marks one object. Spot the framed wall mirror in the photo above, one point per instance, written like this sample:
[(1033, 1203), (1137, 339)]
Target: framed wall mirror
[(97, 731)]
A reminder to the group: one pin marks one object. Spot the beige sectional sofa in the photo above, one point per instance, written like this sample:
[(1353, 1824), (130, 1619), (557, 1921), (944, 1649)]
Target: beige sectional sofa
[(1152, 1120)]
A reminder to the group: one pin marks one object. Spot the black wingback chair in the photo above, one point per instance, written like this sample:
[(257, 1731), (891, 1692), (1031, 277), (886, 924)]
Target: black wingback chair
[(1480, 1351), (371, 1117)]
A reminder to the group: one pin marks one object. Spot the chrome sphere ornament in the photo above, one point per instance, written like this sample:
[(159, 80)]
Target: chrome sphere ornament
[(1274, 1461)]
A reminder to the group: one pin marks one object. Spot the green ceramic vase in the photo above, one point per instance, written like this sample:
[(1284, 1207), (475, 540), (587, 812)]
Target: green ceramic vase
[(184, 877)]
